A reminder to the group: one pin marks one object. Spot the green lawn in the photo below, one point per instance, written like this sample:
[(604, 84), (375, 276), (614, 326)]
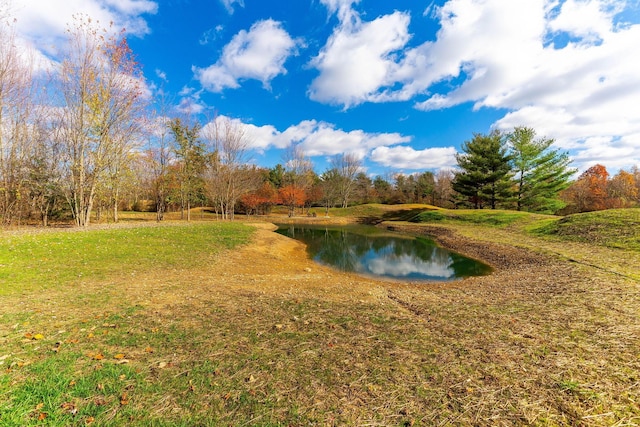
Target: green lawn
[(50, 259)]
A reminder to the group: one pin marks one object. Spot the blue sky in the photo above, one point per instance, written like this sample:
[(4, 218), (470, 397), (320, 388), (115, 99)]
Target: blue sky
[(402, 84)]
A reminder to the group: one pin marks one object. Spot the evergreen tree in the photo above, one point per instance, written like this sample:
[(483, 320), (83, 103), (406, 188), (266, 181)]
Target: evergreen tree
[(541, 173), (485, 175)]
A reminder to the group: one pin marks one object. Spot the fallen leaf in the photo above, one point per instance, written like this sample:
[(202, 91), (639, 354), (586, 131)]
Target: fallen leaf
[(124, 399), (119, 356), (99, 401), (72, 383), (148, 350), (69, 407), (42, 416), (38, 337), (28, 335), (89, 420), (90, 335)]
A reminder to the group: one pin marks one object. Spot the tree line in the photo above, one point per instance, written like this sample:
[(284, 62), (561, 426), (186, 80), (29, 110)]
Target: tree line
[(84, 142)]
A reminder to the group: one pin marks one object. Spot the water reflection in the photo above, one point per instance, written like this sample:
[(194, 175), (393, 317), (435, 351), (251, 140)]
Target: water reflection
[(371, 251)]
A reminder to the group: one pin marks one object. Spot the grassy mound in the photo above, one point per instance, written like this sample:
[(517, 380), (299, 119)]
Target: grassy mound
[(615, 228), (493, 218)]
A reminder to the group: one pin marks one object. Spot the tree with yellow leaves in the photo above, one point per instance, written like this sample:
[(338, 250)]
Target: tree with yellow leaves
[(98, 122)]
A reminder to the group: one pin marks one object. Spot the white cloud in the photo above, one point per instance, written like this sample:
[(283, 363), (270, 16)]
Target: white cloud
[(161, 75), (405, 157), (228, 4), (358, 57), (258, 54), (343, 8), (589, 20), (41, 25), (44, 22), (317, 138)]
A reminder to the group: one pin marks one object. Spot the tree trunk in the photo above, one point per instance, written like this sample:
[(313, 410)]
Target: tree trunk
[(115, 206)]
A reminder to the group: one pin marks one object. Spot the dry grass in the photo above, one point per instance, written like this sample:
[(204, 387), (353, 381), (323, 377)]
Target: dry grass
[(262, 336)]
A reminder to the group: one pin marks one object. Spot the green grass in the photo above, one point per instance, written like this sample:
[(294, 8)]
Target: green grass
[(44, 260), (493, 218), (615, 228), (368, 210)]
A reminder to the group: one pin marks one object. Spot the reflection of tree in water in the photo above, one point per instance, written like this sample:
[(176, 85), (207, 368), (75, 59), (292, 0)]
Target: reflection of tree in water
[(349, 250)]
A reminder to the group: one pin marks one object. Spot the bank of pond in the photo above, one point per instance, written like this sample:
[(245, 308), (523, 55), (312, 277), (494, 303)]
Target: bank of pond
[(375, 252)]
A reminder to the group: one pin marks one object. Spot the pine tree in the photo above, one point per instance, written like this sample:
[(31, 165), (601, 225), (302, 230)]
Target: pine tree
[(485, 176), (541, 172)]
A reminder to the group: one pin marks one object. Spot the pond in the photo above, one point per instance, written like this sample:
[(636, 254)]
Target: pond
[(371, 251)]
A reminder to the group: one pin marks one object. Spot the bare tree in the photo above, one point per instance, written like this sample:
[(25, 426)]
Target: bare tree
[(347, 166), (443, 188), (329, 184), (101, 86), (157, 159), (298, 177), (16, 112), (228, 175)]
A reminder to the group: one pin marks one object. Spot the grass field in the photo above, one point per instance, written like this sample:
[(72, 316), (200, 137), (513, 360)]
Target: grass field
[(177, 326)]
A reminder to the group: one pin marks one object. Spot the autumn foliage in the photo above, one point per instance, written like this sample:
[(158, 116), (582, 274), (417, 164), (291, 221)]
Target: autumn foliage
[(594, 190), (261, 200), (292, 196)]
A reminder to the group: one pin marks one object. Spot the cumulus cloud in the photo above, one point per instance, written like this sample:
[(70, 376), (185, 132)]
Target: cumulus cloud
[(358, 57), (405, 157), (259, 54), (563, 67), (317, 138)]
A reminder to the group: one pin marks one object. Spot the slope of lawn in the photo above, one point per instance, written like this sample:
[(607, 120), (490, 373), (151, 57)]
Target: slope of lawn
[(493, 218), (30, 261), (615, 228)]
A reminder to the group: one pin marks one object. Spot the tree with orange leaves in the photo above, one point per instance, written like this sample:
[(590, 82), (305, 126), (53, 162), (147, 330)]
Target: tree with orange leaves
[(589, 191), (622, 190), (292, 196)]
